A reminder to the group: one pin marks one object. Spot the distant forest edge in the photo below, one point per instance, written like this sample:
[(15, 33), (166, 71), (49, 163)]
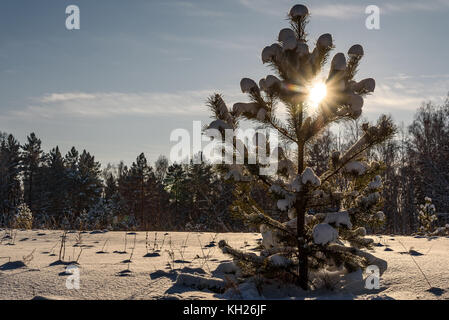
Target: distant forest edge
[(72, 191)]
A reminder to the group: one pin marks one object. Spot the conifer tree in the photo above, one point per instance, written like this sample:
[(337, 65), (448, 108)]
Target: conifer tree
[(10, 167), (140, 193), (110, 192), (200, 180), (89, 183), (54, 185), (31, 160), (71, 179), (321, 215), (428, 151), (160, 168), (175, 182), (427, 216)]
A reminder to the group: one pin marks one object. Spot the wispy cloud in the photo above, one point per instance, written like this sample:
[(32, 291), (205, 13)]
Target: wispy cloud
[(403, 76), (235, 44), (193, 9), (407, 6), (350, 9), (405, 93), (111, 104), (400, 93), (321, 9), (338, 11)]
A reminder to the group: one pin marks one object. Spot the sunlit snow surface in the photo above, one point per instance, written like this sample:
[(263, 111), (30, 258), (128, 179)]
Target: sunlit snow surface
[(105, 275)]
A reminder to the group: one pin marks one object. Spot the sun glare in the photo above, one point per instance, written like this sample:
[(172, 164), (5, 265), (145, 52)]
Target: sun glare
[(317, 93)]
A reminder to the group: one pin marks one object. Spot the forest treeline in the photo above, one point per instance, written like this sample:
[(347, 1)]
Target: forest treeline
[(73, 191)]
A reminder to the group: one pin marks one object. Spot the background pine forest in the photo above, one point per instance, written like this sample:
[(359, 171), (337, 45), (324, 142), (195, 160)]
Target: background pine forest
[(73, 191)]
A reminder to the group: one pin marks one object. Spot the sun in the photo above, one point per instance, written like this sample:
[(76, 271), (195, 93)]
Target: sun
[(317, 93)]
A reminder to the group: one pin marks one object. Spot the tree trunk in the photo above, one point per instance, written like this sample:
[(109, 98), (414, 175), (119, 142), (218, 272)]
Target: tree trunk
[(300, 206), (30, 192)]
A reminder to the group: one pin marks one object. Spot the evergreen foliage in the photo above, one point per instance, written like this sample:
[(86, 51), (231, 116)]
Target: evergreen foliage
[(427, 217)]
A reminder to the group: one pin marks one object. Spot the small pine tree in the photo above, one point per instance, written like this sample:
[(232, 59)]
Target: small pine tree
[(324, 210), (10, 186), (31, 162), (82, 221), (65, 223), (23, 218), (427, 216), (101, 215)]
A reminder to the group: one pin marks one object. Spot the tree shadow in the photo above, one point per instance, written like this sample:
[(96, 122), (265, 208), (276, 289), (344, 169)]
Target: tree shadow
[(152, 255), (436, 291), (12, 265)]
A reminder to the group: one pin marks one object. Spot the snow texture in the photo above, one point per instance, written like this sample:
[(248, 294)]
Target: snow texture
[(364, 86), (286, 164), (324, 234), (380, 215), (235, 172), (302, 49), (247, 85), (268, 83), (200, 282), (271, 81), (338, 62), (370, 199), (242, 107), (298, 11), (339, 219), (269, 239), (267, 55), (324, 41), (292, 224), (360, 231), (286, 34), (356, 50), (356, 167), (279, 260), (227, 268), (309, 176), (219, 125), (271, 53), (275, 188), (376, 183), (38, 280), (292, 213), (289, 44), (296, 184), (261, 114), (287, 203), (355, 102)]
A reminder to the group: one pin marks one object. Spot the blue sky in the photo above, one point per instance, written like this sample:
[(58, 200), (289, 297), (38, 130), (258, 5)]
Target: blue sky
[(138, 69)]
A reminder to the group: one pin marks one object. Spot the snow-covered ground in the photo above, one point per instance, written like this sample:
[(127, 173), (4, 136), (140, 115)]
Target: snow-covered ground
[(103, 261)]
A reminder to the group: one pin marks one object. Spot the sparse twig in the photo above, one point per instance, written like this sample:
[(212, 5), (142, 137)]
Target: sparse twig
[(205, 257), (79, 255), (78, 238), (134, 246), (104, 245), (419, 268), (62, 247)]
